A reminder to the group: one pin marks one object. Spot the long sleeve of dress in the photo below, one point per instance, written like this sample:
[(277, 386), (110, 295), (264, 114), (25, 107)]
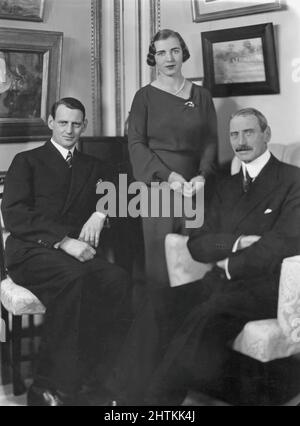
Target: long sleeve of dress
[(208, 162), (147, 167)]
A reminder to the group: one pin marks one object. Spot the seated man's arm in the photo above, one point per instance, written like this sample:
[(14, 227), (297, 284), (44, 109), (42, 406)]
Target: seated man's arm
[(266, 255), (91, 230), (19, 214), (244, 241), (80, 250), (208, 244)]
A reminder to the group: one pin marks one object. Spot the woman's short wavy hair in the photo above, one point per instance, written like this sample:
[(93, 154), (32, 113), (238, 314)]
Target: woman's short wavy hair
[(164, 35)]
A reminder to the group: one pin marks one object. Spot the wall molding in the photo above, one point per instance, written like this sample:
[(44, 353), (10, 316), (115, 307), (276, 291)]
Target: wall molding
[(96, 68), (146, 20), (119, 63), (155, 16), (155, 25)]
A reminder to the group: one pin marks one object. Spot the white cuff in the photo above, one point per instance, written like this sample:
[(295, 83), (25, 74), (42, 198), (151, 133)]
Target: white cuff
[(227, 269), (236, 245), (101, 215), (234, 250)]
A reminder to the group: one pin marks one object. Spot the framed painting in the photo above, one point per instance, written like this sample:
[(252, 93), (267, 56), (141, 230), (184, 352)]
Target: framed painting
[(22, 10), (240, 61), (30, 69), (210, 10)]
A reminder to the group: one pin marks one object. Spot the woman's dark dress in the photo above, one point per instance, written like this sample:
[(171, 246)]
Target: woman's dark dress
[(166, 134)]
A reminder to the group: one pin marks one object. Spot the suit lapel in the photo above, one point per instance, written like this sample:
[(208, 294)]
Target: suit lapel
[(54, 159), (80, 173), (264, 184)]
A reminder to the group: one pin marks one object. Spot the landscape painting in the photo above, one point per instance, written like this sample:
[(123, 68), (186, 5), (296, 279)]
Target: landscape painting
[(25, 10), (239, 61)]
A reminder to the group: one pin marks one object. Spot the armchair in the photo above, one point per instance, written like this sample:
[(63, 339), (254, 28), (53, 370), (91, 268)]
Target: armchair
[(15, 302)]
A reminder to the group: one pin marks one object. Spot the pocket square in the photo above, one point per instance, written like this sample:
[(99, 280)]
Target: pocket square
[(268, 211)]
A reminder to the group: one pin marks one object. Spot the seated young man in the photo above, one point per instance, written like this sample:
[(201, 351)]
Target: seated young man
[(49, 208)]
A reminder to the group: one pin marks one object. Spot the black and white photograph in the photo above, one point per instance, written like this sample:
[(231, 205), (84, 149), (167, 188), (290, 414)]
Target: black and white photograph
[(149, 206)]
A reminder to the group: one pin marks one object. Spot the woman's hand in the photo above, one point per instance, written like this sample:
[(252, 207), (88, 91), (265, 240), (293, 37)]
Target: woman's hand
[(196, 184), (176, 182)]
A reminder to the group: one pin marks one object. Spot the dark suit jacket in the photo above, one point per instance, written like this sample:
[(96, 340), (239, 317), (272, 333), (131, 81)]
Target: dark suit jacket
[(43, 202), (270, 209)]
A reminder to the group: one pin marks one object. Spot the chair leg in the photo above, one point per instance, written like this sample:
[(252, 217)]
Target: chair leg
[(32, 341), (31, 326), (18, 384), (5, 351)]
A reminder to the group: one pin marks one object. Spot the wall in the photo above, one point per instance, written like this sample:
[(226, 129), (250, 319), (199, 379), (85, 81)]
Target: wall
[(126, 30), (73, 18), (282, 110)]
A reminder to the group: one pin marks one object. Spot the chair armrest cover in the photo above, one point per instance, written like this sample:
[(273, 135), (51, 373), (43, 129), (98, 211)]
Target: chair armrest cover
[(182, 269), (289, 298), (18, 300)]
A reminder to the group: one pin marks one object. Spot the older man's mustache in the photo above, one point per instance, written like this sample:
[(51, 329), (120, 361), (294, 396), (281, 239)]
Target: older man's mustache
[(243, 148)]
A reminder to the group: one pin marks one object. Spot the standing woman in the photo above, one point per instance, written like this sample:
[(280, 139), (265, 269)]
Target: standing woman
[(172, 138)]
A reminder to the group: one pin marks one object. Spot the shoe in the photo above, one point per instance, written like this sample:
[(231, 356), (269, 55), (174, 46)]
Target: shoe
[(42, 397)]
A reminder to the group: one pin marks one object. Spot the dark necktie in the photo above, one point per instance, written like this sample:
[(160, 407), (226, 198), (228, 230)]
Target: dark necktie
[(69, 159), (247, 180)]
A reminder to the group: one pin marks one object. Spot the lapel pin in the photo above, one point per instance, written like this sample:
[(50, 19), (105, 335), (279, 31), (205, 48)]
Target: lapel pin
[(190, 104)]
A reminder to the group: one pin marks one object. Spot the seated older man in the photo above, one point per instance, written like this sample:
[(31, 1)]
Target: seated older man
[(251, 225)]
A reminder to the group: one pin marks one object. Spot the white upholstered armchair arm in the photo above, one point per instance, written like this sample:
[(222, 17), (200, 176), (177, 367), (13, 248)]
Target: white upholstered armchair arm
[(289, 299), (182, 268)]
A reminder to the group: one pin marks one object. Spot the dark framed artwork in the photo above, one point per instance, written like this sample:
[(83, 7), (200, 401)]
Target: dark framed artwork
[(210, 10), (22, 10), (30, 69), (240, 61)]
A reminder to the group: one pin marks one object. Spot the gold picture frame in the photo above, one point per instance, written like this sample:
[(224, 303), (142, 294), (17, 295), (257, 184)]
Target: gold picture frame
[(210, 10), (30, 71), (25, 10)]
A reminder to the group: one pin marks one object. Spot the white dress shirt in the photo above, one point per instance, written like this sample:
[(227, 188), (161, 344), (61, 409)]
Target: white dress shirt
[(255, 167), (64, 151)]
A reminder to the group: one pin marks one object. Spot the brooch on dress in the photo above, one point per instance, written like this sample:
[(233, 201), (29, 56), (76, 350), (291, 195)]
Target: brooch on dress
[(190, 104)]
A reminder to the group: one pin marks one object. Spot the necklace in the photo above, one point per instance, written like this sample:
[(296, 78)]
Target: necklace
[(180, 88)]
